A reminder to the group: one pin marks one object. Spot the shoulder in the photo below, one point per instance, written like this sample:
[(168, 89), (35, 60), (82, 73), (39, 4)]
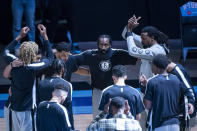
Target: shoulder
[(62, 108), (107, 89), (133, 90), (87, 53), (59, 79), (153, 79), (134, 124), (36, 64), (42, 104), (158, 49), (173, 77), (181, 68), (70, 58), (45, 81), (91, 51), (119, 51)]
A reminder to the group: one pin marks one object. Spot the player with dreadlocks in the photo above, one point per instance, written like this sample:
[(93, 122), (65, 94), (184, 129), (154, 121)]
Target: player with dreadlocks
[(151, 43), (23, 78)]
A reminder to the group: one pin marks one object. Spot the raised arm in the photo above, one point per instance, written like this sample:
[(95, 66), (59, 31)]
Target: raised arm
[(43, 33), (138, 52), (44, 63), (8, 56), (137, 39)]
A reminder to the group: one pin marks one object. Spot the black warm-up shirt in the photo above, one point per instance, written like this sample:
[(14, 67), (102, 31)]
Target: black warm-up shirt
[(164, 93), (129, 93), (100, 65), (52, 116), (46, 87), (23, 82)]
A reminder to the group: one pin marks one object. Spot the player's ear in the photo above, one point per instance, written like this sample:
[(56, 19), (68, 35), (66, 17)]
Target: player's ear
[(125, 77), (113, 77)]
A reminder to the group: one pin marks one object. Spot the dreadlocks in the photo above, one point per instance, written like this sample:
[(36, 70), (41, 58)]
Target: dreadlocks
[(28, 51), (159, 36)]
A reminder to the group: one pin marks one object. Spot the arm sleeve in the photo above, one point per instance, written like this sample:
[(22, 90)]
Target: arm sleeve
[(186, 83), (137, 51), (8, 56), (124, 58), (186, 91), (82, 59), (65, 124), (94, 125), (102, 101), (137, 38), (149, 91), (68, 105), (139, 104), (49, 52)]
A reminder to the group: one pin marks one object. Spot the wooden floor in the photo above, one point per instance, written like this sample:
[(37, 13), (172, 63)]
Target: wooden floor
[(81, 122)]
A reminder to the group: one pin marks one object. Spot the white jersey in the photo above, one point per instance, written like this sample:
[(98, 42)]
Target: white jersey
[(136, 49)]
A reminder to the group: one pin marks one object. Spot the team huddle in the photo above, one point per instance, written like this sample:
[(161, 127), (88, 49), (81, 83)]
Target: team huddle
[(40, 96)]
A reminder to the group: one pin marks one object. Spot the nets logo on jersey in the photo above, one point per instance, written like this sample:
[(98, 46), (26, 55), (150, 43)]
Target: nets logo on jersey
[(105, 65)]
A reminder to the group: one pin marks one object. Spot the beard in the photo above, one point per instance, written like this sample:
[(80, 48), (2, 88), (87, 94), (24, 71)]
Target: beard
[(146, 45), (102, 51)]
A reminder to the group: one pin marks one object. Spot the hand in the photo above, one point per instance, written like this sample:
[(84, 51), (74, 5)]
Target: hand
[(143, 80), (42, 29), (23, 33), (190, 108), (17, 63), (133, 23), (106, 108), (127, 107)]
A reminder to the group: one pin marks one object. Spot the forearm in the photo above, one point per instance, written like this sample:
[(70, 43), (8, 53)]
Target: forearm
[(188, 93), (99, 117), (137, 51), (94, 124), (7, 52), (49, 52), (83, 71), (6, 72), (45, 37)]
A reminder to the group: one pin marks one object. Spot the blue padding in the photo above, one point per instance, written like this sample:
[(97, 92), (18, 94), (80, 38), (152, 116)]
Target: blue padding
[(195, 90), (82, 110), (3, 99), (83, 93), (138, 89), (2, 103), (4, 96), (1, 113), (82, 101)]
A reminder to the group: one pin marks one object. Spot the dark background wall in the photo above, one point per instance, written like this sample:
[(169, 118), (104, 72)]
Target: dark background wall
[(91, 18)]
